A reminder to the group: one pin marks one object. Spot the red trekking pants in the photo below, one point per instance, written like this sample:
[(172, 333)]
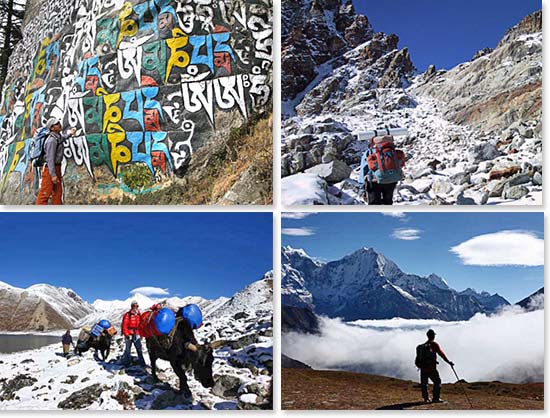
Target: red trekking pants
[(47, 188)]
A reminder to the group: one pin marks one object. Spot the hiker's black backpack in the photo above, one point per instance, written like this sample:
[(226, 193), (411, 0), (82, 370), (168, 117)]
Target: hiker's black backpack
[(425, 356)]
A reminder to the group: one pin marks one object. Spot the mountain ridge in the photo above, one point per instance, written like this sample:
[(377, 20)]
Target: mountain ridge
[(43, 307), (367, 285)]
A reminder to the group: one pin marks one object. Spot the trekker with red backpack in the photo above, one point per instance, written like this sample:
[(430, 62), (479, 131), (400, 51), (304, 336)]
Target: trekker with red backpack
[(426, 361), (381, 169)]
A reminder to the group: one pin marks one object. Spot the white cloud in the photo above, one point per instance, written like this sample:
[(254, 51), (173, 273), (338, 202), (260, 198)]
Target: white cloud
[(150, 291), (505, 248), (387, 347), (394, 214), (296, 215), (406, 234), (298, 232)]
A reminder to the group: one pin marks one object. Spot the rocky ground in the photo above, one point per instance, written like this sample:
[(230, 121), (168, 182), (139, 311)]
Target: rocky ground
[(318, 389), (43, 379)]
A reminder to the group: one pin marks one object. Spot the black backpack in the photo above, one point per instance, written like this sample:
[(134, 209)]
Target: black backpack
[(425, 356)]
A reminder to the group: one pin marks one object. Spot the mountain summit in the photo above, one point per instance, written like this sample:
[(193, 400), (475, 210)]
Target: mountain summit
[(367, 285)]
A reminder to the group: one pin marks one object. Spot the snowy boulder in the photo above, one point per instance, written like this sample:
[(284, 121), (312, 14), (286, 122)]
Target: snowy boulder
[(483, 152), (537, 179), (474, 197), (332, 172), (518, 180), (441, 186), (304, 189), (15, 384), (227, 386), (422, 185), (496, 187), (71, 379), (479, 178), (515, 192), (251, 401), (170, 399), (82, 398), (243, 341), (463, 200), (460, 178), (303, 141)]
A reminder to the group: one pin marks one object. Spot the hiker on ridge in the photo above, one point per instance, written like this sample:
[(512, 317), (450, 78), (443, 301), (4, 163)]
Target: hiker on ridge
[(130, 325), (381, 170), (51, 185), (426, 361)]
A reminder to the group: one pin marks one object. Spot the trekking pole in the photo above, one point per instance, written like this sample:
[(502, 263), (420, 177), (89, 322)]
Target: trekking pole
[(463, 390)]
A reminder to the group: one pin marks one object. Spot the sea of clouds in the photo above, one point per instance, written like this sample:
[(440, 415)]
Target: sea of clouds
[(508, 346)]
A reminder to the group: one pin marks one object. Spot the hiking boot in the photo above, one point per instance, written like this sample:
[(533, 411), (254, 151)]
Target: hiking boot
[(427, 400), (438, 401)]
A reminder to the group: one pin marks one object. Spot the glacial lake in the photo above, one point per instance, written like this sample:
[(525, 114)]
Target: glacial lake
[(13, 343)]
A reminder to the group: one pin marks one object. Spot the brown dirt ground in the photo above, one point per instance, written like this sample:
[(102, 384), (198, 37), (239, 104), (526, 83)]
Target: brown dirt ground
[(322, 389)]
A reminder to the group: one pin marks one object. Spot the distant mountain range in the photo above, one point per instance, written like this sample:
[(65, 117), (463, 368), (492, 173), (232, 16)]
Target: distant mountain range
[(367, 285), (43, 307)]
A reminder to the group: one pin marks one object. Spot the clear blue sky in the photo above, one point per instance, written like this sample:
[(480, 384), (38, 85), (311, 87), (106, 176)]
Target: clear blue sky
[(105, 255), (445, 33), (337, 234)]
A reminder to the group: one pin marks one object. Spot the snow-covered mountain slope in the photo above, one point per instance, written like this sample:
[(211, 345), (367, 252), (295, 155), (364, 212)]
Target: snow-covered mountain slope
[(475, 132), (115, 309), (243, 367), (533, 302), (40, 307), (499, 86), (367, 285), (256, 297)]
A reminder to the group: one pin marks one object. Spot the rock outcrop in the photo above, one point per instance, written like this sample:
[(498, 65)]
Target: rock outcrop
[(500, 86)]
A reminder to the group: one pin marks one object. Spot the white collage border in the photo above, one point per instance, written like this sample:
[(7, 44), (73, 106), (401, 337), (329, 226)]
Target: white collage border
[(277, 209)]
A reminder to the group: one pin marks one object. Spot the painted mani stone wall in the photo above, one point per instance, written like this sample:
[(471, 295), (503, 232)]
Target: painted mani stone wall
[(142, 81)]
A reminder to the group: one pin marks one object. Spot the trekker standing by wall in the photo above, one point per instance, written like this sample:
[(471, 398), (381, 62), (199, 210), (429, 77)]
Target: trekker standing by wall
[(51, 185), (130, 325), (67, 341), (426, 361)]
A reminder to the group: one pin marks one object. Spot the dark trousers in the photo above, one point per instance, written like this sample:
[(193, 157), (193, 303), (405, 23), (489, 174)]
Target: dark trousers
[(380, 194), (433, 375)]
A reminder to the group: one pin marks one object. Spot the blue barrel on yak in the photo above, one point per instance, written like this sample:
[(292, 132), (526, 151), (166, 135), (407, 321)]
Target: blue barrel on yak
[(105, 324), (156, 322), (165, 321), (96, 330), (192, 313)]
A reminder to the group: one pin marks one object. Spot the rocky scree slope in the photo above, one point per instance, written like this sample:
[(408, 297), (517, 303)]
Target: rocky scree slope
[(243, 367), (367, 285), (475, 132)]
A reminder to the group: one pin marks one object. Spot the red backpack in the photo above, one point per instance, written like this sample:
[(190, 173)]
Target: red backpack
[(385, 163)]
